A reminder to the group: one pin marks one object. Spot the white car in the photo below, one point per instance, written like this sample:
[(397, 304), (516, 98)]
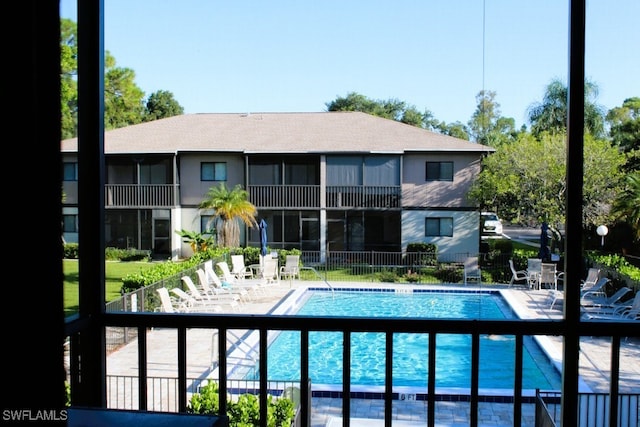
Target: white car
[(490, 223)]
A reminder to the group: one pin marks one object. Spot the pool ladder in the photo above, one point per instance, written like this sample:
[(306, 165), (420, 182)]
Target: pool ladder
[(248, 359), (319, 276)]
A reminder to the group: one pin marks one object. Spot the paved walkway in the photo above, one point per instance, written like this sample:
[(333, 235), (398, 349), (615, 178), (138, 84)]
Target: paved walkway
[(594, 365)]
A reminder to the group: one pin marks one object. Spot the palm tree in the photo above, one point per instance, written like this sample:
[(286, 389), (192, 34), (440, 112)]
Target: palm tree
[(627, 205), (551, 114), (229, 208)]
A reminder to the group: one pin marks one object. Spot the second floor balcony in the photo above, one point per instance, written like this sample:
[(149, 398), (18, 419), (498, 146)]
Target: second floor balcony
[(141, 195), (309, 196)]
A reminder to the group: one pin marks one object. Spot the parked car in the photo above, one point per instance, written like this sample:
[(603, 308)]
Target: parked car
[(490, 223)]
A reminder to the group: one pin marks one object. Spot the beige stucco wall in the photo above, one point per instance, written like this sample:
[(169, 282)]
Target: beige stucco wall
[(192, 190), (417, 192)]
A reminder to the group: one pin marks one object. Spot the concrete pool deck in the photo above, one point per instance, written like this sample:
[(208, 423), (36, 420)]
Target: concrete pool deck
[(594, 362)]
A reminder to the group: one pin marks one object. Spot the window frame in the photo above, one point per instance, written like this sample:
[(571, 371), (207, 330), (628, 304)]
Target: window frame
[(217, 174), (67, 219), (444, 226), (443, 174), (73, 175)]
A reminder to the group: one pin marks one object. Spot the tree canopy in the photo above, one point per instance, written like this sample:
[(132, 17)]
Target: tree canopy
[(229, 208), (550, 115), (124, 101), (526, 180), (162, 104), (624, 122)]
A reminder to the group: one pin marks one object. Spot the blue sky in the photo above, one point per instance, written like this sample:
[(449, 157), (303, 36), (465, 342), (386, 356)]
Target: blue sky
[(296, 56)]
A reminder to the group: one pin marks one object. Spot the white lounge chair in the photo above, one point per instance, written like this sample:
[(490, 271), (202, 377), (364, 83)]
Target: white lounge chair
[(231, 281), (214, 291), (593, 274), (192, 305), (624, 312), (205, 306), (556, 297), (597, 290), (168, 304), (630, 310), (605, 304)]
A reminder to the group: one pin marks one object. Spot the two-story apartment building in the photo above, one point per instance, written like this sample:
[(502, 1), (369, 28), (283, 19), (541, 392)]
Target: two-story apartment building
[(337, 181)]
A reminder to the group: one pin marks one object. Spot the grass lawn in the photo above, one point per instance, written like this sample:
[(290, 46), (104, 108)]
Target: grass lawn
[(114, 273)]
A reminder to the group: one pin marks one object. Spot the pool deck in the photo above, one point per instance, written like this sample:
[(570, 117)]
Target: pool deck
[(594, 363)]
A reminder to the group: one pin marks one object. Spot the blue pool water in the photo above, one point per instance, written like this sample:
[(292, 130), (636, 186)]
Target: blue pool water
[(453, 356)]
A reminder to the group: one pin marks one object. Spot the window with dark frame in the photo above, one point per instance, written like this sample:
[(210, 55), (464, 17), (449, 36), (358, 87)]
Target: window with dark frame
[(213, 171), (439, 171), (70, 171), (69, 223), (436, 227)]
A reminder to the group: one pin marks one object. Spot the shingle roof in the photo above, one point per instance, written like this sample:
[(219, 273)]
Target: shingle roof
[(323, 132)]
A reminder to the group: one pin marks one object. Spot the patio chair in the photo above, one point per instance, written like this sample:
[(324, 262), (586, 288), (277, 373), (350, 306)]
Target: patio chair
[(472, 272), (597, 290), (204, 298), (534, 265), (215, 292), (193, 305), (593, 274), (205, 306), (605, 305), (169, 304), (239, 269), (555, 297), (231, 281), (624, 312), (548, 276), (268, 269), (291, 269), (517, 275)]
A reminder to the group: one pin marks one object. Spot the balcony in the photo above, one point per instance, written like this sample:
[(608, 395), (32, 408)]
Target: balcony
[(284, 196), (308, 196), (142, 387), (140, 196), (343, 196)]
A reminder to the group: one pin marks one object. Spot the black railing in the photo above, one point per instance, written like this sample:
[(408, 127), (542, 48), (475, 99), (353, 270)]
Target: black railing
[(266, 323), (140, 195)]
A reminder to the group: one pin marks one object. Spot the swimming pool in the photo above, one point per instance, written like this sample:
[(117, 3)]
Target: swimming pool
[(453, 355)]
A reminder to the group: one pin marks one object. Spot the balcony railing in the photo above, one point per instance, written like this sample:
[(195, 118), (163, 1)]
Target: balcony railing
[(263, 324), (308, 196), (140, 196), (284, 196), (345, 196)]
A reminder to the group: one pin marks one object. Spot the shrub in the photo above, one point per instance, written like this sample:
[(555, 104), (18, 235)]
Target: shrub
[(388, 276), (421, 254), (207, 401), (70, 251), (115, 254), (245, 411), (411, 277)]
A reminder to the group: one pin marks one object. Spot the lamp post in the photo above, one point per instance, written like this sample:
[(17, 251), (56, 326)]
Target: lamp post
[(602, 231)]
